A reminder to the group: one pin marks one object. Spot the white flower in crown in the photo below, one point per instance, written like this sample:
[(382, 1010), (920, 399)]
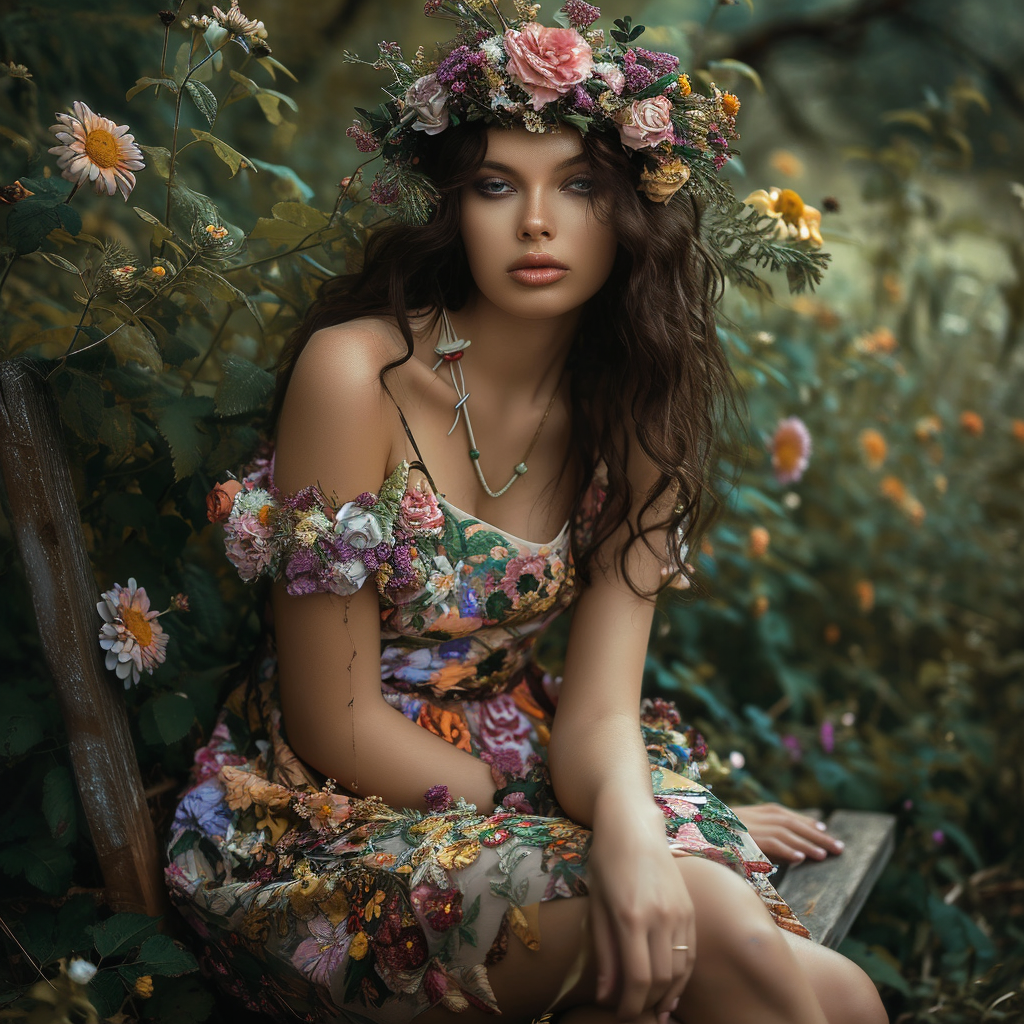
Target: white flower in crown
[(357, 526)]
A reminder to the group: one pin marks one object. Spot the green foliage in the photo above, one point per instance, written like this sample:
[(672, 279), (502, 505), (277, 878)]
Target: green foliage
[(870, 657)]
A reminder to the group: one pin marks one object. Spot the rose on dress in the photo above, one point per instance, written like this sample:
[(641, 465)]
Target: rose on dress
[(429, 98), (420, 512), (646, 122), (547, 62), (357, 526)]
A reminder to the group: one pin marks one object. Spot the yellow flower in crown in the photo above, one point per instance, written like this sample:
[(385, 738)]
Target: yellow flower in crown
[(795, 220)]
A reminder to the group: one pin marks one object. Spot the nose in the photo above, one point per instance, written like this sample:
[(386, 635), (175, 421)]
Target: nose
[(536, 219)]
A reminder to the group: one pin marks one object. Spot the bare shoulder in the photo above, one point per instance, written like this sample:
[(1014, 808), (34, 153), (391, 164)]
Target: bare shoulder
[(333, 429)]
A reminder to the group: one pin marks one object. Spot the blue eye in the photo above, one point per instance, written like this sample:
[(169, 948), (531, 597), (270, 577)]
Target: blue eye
[(587, 183), (484, 187)]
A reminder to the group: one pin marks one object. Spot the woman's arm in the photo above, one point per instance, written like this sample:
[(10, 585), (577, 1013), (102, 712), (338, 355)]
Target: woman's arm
[(596, 746), (334, 431)]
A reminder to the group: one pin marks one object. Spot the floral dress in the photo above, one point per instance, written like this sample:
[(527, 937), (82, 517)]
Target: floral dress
[(315, 904)]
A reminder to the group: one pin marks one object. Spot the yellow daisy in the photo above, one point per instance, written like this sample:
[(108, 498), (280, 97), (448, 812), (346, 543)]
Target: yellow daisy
[(93, 148)]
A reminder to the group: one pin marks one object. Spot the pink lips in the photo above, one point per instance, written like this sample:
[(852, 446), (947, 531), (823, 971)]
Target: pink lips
[(537, 268), (538, 275)]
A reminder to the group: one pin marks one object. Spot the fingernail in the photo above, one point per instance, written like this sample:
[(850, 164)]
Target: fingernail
[(675, 1003), (840, 845), (821, 825), (799, 855), (820, 853)]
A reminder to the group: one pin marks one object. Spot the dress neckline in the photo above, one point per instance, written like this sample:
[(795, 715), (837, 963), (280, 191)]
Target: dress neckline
[(504, 533)]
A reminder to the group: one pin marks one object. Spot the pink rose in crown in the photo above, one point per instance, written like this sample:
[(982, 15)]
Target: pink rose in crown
[(420, 513), (547, 62), (646, 122)]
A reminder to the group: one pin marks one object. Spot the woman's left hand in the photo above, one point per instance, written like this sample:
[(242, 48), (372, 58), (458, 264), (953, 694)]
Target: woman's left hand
[(786, 835)]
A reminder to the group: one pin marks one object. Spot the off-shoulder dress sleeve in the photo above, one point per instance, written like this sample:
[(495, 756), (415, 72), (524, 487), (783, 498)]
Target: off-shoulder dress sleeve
[(315, 543)]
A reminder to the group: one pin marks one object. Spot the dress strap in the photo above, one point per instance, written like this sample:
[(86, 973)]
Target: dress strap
[(419, 463)]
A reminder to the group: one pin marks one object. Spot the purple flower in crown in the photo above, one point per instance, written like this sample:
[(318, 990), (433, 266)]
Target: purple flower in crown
[(366, 142), (456, 66), (438, 798), (582, 100), (383, 192), (638, 76), (367, 499), (660, 63), (580, 14)]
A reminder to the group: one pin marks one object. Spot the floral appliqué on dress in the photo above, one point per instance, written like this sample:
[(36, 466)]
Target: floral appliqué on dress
[(316, 904)]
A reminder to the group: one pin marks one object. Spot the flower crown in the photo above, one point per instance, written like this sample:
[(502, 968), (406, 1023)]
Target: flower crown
[(518, 72)]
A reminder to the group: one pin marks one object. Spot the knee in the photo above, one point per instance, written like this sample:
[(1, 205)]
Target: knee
[(854, 998), (747, 949)]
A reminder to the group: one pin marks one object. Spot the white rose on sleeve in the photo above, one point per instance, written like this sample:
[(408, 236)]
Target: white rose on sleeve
[(358, 527)]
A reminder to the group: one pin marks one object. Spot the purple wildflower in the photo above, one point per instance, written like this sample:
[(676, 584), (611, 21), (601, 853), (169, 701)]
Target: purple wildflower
[(828, 736), (203, 810), (302, 501), (638, 77), (660, 63), (438, 798), (792, 744), (366, 142), (938, 837), (457, 63), (343, 552), (367, 499), (383, 192), (303, 563), (582, 100), (401, 562), (580, 14), (370, 560)]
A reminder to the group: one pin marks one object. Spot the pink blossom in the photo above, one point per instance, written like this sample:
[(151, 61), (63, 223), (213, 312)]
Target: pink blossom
[(532, 565), (248, 545), (828, 736), (420, 513), (791, 449), (612, 76), (646, 122), (503, 726), (547, 62)]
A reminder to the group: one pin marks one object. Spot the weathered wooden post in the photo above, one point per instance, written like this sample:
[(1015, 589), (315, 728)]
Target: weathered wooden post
[(48, 534)]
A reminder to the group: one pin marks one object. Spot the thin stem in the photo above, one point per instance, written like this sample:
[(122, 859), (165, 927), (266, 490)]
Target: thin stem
[(177, 120), (7, 269), (207, 353)]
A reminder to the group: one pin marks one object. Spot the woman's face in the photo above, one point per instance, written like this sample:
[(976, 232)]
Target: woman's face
[(533, 195)]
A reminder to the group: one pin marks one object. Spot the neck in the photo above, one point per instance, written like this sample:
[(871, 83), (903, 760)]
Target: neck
[(514, 355)]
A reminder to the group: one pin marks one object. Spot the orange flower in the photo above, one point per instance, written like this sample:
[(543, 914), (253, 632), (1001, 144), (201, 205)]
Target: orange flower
[(684, 85), (893, 488), (1017, 429), (865, 590), (873, 447), (758, 541), (220, 500), (972, 423), (786, 163), (760, 606), (831, 633), (791, 449), (449, 725), (879, 341), (730, 104)]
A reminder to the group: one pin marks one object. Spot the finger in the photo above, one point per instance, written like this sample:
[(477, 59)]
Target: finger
[(683, 962), (604, 948), (636, 968), (664, 962), (775, 846)]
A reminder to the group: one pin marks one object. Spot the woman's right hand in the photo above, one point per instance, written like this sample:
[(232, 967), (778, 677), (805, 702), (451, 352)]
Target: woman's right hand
[(640, 908)]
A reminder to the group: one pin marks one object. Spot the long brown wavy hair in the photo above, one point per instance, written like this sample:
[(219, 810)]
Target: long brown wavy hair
[(646, 355)]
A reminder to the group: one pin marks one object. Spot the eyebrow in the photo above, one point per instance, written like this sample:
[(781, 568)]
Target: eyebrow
[(580, 158)]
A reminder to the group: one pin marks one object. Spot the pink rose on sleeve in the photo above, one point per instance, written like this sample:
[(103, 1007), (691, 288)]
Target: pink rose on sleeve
[(646, 122), (547, 62)]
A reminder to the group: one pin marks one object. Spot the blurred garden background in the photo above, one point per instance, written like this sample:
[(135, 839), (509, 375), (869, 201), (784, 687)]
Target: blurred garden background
[(855, 636)]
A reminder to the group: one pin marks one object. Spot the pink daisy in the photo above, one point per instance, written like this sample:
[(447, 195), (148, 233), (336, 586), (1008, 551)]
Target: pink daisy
[(93, 148), (130, 635), (791, 449)]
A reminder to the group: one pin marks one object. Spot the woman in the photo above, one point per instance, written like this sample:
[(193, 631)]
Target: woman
[(344, 851)]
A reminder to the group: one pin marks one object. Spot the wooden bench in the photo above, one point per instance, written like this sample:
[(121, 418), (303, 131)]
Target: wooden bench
[(825, 895)]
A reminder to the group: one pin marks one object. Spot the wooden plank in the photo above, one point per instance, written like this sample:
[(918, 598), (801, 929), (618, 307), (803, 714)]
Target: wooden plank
[(827, 895), (48, 534)]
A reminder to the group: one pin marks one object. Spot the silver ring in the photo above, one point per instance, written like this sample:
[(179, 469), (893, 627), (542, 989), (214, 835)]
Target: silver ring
[(680, 947)]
